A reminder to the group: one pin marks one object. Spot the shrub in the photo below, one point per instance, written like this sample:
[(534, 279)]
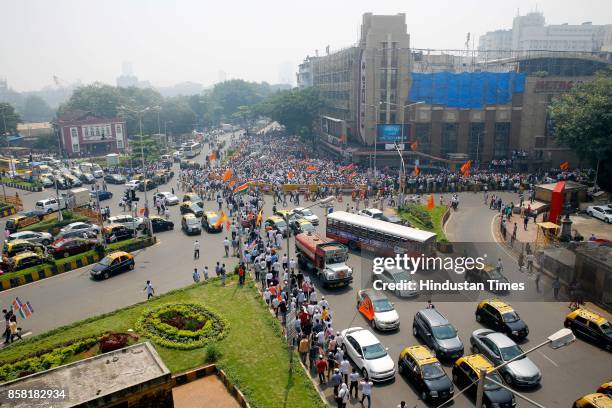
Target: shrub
[(420, 214), (212, 353), (113, 341), (183, 326)]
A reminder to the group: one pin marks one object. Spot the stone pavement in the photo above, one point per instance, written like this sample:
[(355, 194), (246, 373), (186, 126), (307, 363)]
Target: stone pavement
[(207, 392)]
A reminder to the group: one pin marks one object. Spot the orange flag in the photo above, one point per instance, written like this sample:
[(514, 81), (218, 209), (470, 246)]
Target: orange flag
[(290, 175), (564, 166), (465, 169), (430, 203), (311, 168), (259, 216), (228, 175), (414, 146), (232, 183), (212, 156), (221, 219), (416, 171)]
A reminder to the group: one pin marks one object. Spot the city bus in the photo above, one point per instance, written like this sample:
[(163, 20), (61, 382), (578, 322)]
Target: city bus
[(191, 150), (380, 237)]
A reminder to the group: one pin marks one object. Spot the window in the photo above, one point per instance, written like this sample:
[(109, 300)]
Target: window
[(75, 147), (449, 139), (476, 141), (120, 142), (501, 140), (423, 137)]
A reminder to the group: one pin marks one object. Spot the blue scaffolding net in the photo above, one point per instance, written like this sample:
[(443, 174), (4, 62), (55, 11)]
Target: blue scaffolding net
[(473, 90)]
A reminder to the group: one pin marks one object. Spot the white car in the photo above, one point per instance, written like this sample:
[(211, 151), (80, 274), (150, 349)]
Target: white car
[(398, 278), (368, 354), (171, 199), (307, 215), (127, 221), (133, 184), (32, 236), (376, 307), (371, 213), (602, 212), (80, 226)]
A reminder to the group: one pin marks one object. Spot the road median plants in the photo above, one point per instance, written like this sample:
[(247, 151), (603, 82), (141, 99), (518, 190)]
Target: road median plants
[(421, 217)]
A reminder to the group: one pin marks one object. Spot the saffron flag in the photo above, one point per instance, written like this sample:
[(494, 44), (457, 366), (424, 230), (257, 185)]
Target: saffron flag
[(227, 225), (564, 166), (232, 183), (414, 146), (430, 202), (416, 171), (221, 220), (290, 175), (311, 168), (212, 156), (228, 175), (465, 169), (259, 216), (242, 188)]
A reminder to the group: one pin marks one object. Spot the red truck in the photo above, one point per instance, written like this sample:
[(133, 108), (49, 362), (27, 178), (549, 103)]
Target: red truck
[(324, 256)]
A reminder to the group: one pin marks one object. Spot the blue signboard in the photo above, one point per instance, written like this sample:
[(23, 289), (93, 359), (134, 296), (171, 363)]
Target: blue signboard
[(389, 133)]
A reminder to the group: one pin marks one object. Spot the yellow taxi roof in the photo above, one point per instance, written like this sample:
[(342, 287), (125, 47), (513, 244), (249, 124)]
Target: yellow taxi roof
[(420, 353), (189, 215), (589, 315), (274, 218), (22, 255), (597, 399), (303, 221), (211, 214), (283, 211), (477, 362), (186, 203), (117, 254), (17, 241), (113, 225), (497, 304)]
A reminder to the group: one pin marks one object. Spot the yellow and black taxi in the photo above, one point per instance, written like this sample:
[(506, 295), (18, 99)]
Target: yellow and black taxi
[(209, 222), (112, 264), (591, 326), (148, 184), (160, 224), (466, 371), (193, 197), (18, 246), (300, 225), (284, 214), (424, 371), (486, 275), (21, 221), (605, 388), (25, 260), (276, 223), (117, 232), (595, 400), (501, 317), (190, 207)]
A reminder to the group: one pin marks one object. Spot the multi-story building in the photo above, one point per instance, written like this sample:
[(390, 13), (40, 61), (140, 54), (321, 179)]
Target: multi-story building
[(84, 134), (364, 85), (304, 74), (530, 33)]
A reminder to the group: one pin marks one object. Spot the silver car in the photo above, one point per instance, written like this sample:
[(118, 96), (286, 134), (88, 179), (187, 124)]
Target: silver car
[(81, 227), (500, 348), (32, 236), (398, 278)]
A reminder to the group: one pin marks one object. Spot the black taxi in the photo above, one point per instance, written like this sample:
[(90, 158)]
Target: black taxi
[(466, 371), (112, 264), (421, 367), (591, 326), (501, 317), (276, 223), (17, 246)]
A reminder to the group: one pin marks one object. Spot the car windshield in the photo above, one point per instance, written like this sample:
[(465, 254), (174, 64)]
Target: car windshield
[(382, 305), (306, 213), (106, 261), (431, 371), (510, 317), (508, 353), (444, 332), (213, 219), (608, 211), (374, 351), (490, 386), (378, 216), (606, 328)]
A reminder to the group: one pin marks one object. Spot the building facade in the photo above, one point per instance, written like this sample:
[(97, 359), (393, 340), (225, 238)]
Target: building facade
[(84, 134), (530, 33)]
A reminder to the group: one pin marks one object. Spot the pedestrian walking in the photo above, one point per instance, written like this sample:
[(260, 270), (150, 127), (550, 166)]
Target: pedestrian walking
[(556, 285), (354, 383), (538, 276), (321, 368), (205, 273), (366, 391), (303, 348), (336, 380), (226, 246), (149, 289), (343, 396), (223, 275), (196, 249), (521, 261), (530, 259), (196, 275)]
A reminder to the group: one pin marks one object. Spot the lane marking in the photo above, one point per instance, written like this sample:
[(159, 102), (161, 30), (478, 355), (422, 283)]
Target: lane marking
[(510, 254), (548, 358)]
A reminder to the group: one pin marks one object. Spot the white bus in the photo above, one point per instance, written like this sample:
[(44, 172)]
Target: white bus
[(380, 237), (191, 150)]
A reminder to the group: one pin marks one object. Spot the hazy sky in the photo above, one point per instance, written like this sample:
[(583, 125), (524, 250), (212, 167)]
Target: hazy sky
[(170, 41)]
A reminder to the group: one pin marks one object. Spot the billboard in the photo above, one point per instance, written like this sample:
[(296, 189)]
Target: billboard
[(390, 133)]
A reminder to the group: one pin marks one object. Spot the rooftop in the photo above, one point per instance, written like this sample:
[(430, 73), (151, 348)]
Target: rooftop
[(95, 377)]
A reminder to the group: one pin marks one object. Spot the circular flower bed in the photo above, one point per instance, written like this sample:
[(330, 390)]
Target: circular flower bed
[(181, 325)]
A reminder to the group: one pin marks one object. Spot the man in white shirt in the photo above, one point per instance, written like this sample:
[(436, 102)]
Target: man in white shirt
[(196, 249), (366, 391)]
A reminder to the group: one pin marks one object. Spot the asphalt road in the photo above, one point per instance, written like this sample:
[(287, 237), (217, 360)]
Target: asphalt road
[(568, 373)]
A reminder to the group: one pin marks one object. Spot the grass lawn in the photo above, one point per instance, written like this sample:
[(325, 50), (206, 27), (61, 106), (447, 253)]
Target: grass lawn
[(253, 353), (20, 182), (436, 219)]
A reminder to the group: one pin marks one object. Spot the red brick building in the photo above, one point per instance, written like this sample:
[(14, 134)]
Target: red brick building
[(84, 134)]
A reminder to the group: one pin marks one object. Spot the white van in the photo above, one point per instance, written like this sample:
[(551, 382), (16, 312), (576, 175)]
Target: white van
[(50, 205)]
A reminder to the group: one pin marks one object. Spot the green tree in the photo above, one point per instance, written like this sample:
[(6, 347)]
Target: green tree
[(100, 99), (296, 109), (178, 111), (150, 147), (8, 119), (230, 95), (583, 121), (35, 109)]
